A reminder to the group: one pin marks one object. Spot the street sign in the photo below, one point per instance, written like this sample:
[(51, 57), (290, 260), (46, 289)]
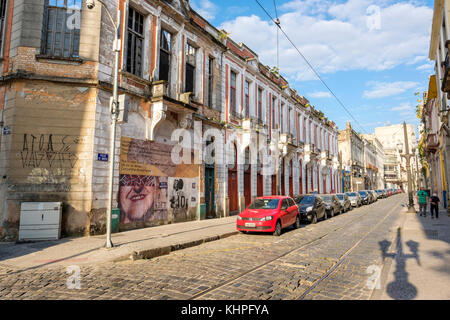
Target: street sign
[(102, 157)]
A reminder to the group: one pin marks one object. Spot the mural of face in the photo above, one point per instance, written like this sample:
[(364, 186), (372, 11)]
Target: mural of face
[(136, 198)]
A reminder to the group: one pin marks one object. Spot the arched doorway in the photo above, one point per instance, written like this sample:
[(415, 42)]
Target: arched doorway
[(232, 181), (318, 180), (282, 178), (247, 177), (210, 180), (300, 174), (291, 178), (259, 179)]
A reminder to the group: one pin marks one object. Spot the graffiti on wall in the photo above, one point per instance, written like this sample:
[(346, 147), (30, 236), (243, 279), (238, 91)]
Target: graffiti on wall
[(47, 150), (151, 185)]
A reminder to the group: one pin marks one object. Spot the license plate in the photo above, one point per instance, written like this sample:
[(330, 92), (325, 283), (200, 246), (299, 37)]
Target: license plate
[(248, 224)]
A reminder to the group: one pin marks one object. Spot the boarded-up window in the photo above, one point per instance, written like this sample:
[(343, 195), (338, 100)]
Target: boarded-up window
[(247, 99), (210, 82), (233, 93), (3, 4), (61, 31), (135, 40), (190, 67), (165, 45)]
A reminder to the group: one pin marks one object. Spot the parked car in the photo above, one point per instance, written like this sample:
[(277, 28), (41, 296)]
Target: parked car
[(355, 199), (345, 202), (332, 204), (269, 214), (365, 197), (311, 207), (374, 195), (381, 194)]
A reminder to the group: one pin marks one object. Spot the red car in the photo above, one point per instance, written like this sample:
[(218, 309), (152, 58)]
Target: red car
[(269, 214)]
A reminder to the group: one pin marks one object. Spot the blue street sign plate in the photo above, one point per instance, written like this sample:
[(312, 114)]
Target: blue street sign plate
[(102, 157)]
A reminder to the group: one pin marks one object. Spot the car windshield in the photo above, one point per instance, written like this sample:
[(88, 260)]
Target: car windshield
[(363, 193), (307, 200), (327, 199), (340, 196), (351, 194), (264, 204)]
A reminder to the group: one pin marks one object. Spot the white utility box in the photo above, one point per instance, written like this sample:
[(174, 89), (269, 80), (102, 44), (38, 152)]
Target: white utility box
[(40, 221)]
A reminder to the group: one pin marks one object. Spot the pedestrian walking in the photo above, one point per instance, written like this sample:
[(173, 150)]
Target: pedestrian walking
[(422, 199), (434, 205)]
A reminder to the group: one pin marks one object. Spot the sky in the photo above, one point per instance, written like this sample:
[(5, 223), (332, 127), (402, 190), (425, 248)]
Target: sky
[(372, 54)]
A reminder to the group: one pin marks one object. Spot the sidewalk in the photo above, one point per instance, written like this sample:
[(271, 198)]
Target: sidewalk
[(135, 244), (418, 266)]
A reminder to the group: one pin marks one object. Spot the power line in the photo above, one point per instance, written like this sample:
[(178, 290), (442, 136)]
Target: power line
[(309, 64)]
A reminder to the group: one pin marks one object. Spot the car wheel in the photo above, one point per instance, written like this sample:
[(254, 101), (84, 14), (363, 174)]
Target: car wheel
[(277, 232), (297, 222), (314, 218)]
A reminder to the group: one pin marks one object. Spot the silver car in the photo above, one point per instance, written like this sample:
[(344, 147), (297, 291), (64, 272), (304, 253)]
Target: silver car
[(355, 199)]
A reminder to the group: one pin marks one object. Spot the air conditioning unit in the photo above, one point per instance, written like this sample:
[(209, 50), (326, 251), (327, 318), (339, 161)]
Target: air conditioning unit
[(40, 221)]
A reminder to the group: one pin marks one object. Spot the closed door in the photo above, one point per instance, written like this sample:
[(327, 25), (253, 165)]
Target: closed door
[(209, 192), (232, 190), (247, 187), (259, 185), (274, 185)]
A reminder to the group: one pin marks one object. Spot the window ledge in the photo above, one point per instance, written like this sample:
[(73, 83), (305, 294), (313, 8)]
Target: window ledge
[(59, 60), (135, 77)]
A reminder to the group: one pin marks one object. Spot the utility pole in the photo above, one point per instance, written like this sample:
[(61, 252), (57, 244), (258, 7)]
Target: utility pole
[(114, 116), (408, 156)]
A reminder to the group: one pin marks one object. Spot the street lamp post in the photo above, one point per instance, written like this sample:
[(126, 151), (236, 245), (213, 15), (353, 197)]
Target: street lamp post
[(408, 156), (114, 115)]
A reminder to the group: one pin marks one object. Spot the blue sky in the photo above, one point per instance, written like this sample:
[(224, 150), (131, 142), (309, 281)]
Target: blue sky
[(372, 54)]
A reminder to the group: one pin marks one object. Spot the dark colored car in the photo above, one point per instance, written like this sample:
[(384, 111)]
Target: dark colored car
[(332, 204), (311, 207), (365, 197), (380, 194), (269, 214), (345, 202), (355, 199)]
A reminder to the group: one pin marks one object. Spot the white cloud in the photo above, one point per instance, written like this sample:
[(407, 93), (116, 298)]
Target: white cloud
[(425, 67), (205, 8), (403, 107), (320, 94), (388, 89), (336, 37)]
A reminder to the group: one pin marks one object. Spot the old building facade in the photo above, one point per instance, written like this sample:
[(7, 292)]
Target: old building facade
[(439, 53), (351, 148), (189, 87)]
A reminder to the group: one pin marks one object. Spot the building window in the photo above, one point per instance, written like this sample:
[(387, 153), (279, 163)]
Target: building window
[(3, 9), (61, 31), (247, 99), (233, 92), (260, 91), (274, 103), (190, 68), (135, 41), (165, 45), (281, 118), (210, 81)]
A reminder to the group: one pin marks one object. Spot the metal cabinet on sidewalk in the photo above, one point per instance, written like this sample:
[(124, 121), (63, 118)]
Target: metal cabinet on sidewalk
[(40, 221)]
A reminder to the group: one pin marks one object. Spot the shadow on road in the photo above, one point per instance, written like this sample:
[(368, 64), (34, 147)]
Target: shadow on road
[(401, 288)]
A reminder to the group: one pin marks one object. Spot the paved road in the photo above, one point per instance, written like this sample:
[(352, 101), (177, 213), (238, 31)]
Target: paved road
[(334, 259)]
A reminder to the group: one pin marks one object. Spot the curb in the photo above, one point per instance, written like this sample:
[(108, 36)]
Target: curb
[(165, 250)]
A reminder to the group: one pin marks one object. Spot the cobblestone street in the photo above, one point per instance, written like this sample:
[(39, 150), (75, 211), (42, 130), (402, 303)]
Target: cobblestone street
[(334, 259)]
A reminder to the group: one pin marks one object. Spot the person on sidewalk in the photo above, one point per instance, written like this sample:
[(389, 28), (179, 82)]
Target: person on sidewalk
[(434, 205), (422, 199)]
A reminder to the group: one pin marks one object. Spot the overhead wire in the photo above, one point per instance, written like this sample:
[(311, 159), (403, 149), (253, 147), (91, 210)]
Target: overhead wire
[(278, 24)]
